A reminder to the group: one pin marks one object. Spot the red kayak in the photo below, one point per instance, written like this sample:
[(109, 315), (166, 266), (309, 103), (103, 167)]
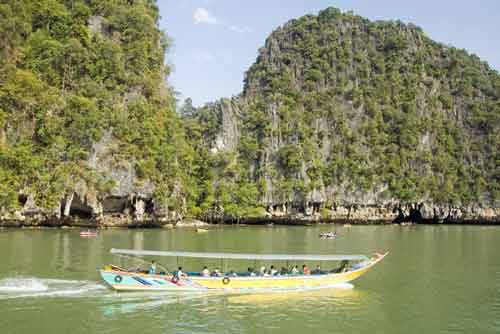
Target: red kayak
[(88, 233)]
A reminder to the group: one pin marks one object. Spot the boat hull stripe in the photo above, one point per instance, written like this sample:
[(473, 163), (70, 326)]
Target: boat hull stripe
[(142, 281)]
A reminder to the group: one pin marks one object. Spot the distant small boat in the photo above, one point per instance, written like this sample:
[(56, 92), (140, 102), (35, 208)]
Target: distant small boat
[(328, 235), (89, 234), (201, 230), (347, 225)]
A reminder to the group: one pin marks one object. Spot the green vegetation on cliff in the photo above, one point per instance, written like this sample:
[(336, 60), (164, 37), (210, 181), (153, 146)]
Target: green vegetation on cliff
[(70, 71), (340, 109), (336, 109)]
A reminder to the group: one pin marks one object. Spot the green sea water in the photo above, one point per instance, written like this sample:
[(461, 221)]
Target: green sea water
[(436, 279)]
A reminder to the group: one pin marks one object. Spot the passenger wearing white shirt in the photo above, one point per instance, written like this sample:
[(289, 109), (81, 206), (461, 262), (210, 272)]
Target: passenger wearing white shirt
[(273, 271)]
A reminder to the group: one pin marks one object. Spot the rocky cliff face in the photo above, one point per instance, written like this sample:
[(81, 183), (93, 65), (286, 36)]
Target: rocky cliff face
[(88, 128), (346, 119)]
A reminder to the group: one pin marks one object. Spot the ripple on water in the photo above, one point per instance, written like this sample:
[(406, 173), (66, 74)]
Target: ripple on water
[(205, 312)]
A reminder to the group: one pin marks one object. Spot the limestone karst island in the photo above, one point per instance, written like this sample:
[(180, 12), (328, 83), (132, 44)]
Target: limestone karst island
[(340, 119), (349, 182)]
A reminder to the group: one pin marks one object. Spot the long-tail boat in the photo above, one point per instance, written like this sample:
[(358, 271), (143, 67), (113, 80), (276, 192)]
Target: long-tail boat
[(351, 267)]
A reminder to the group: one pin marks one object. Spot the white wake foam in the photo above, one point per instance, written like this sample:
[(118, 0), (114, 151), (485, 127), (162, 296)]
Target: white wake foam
[(24, 287)]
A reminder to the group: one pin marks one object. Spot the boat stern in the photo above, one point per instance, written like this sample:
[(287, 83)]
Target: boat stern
[(130, 281)]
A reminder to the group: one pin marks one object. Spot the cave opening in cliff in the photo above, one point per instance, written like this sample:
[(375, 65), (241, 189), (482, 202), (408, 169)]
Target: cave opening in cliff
[(115, 204), (150, 206), (22, 199), (79, 209)]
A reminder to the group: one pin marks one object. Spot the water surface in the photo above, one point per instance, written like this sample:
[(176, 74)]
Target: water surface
[(437, 279)]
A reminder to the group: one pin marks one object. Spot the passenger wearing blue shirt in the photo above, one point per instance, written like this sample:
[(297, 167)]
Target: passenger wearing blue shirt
[(317, 271)]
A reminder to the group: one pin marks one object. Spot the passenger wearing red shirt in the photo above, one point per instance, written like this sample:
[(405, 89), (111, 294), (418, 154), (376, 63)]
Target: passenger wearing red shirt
[(306, 270)]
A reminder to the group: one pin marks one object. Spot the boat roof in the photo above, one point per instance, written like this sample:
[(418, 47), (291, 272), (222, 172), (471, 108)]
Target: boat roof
[(240, 256)]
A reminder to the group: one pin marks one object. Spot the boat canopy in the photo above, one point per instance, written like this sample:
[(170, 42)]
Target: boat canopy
[(241, 256)]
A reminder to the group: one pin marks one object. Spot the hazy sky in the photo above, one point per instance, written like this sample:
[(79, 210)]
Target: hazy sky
[(215, 41)]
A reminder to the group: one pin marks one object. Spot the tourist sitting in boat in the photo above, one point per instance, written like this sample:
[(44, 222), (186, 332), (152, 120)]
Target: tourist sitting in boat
[(305, 270), (295, 270), (179, 273), (318, 271), (263, 271), (273, 271), (344, 266), (251, 272), (283, 271), (205, 272), (152, 268), (216, 273), (232, 273)]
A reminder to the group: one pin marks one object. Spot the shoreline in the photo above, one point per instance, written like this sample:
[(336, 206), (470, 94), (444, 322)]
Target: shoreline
[(189, 223), (283, 215)]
